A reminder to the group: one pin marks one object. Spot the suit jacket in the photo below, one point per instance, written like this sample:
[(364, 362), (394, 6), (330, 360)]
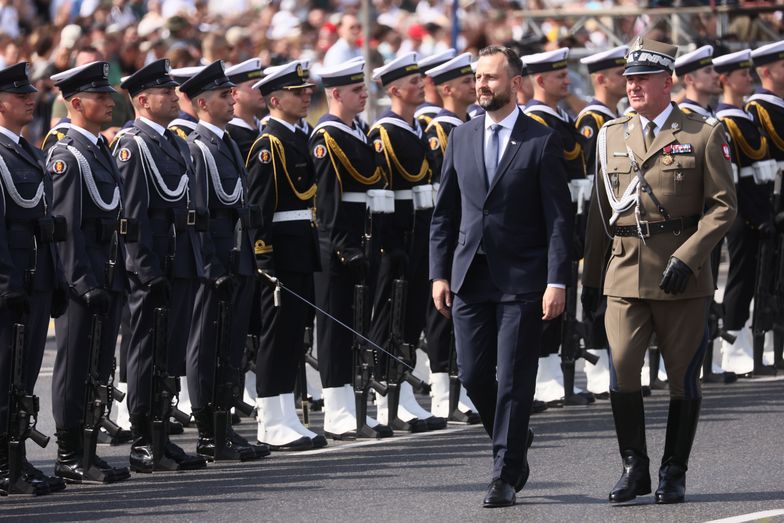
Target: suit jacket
[(89, 244), (523, 220), (143, 203), (695, 179), (18, 249)]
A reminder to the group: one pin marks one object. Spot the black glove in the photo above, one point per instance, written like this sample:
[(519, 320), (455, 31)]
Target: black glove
[(224, 286), (766, 230), (160, 287), (59, 302), (675, 276), (98, 300), (590, 300), (16, 301), (354, 259)]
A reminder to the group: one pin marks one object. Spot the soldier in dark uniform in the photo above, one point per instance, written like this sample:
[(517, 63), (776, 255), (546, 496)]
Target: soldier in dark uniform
[(766, 105), (700, 81), (283, 183), (30, 284), (55, 134), (187, 118), (454, 80), (401, 152), (228, 256), (88, 192), (609, 87), (433, 103), (550, 81), (752, 168), (245, 127), (165, 263), (345, 169)]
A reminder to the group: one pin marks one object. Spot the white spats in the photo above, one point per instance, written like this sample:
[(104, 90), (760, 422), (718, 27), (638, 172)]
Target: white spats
[(549, 379), (289, 408), (123, 416), (598, 376), (273, 426), (738, 357), (339, 410), (409, 408), (184, 403), (439, 392)]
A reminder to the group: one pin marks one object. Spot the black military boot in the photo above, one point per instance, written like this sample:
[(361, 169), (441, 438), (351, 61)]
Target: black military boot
[(629, 417), (141, 458), (259, 449), (205, 444), (23, 484), (681, 427), (69, 461), (54, 483)]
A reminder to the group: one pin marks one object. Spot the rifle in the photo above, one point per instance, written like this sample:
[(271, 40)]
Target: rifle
[(226, 389), (302, 380), (164, 389), (22, 419), (766, 306)]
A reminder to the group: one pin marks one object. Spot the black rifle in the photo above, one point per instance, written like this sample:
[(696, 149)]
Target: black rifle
[(226, 389), (22, 417), (302, 380), (766, 306), (164, 390)]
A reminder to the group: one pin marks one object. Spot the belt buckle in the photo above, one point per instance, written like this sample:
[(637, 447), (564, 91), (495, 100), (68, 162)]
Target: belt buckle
[(645, 229), (677, 231), (191, 217), (312, 214), (123, 226)]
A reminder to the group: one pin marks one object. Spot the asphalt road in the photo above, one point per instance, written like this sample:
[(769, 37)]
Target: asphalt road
[(736, 469)]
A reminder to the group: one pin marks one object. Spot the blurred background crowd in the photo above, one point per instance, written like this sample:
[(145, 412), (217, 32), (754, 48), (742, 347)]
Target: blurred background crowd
[(58, 34)]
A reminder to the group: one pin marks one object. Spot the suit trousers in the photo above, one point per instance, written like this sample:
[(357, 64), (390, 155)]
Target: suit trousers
[(281, 343), (71, 363), (498, 340), (742, 244), (140, 355), (681, 332), (36, 324)]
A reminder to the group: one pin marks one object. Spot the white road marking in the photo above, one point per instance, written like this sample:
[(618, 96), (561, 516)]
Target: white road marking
[(754, 516)]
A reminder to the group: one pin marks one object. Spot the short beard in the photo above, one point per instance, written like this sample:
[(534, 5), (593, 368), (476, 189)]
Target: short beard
[(497, 100)]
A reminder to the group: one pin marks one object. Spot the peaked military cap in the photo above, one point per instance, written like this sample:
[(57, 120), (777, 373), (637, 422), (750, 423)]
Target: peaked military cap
[(16, 79), (615, 57), (180, 75), (454, 68), (648, 56), (245, 71), (210, 78), (768, 53), (402, 66), (152, 75), (435, 60), (88, 78), (694, 60), (293, 75), (347, 73), (546, 61), (733, 61)]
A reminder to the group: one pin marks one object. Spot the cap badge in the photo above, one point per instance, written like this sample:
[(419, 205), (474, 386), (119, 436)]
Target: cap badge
[(106, 70)]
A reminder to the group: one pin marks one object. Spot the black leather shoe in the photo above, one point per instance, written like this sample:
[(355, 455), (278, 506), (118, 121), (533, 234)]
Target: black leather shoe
[(672, 485), (468, 418), (435, 423), (123, 437), (350, 435), (526, 469), (54, 483), (141, 459), (500, 494), (175, 427), (538, 406), (259, 451), (184, 461), (635, 479), (319, 441), (303, 443)]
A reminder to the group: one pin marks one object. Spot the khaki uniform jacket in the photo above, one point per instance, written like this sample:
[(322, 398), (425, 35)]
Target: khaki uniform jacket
[(696, 181)]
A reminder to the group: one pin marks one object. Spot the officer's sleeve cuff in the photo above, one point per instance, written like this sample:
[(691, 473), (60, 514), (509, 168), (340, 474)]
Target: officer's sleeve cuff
[(556, 285)]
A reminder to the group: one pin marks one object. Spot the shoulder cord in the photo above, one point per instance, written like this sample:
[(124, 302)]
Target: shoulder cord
[(334, 149), (767, 123), (161, 188), (630, 196), (92, 189), (224, 197), (277, 146), (389, 152), (743, 144), (14, 193)]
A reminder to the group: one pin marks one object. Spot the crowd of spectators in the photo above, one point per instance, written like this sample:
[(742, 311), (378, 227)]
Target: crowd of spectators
[(58, 34)]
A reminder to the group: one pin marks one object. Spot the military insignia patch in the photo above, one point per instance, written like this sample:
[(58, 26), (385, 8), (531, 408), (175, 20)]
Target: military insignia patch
[(725, 149), (265, 156), (319, 151), (434, 144), (59, 167), (124, 154), (586, 131), (378, 145)]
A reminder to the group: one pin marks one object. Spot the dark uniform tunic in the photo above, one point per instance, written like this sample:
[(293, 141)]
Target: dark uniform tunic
[(22, 251), (227, 250), (55, 134), (183, 125), (167, 247), (401, 152), (345, 165), (243, 134), (283, 183), (425, 113), (85, 196)]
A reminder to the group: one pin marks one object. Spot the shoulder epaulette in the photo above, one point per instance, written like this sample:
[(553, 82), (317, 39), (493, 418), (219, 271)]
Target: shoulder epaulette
[(621, 119), (179, 132), (537, 118)]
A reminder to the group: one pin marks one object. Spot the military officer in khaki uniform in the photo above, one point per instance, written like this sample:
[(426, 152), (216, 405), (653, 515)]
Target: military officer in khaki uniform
[(664, 199)]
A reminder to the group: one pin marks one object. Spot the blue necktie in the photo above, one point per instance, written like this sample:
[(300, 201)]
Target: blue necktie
[(491, 154)]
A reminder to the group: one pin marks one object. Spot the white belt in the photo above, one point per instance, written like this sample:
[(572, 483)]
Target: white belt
[(292, 216), (404, 195), (745, 172), (781, 166), (354, 197)]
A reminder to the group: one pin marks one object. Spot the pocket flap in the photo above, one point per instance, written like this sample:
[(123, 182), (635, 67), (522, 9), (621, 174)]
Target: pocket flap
[(679, 162), (619, 165), (617, 247)]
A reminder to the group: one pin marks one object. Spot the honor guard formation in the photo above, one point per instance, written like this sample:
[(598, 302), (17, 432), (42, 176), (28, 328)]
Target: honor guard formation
[(259, 257)]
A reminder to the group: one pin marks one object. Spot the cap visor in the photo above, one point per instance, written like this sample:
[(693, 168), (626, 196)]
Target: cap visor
[(99, 89), (301, 86), (22, 89), (643, 69)]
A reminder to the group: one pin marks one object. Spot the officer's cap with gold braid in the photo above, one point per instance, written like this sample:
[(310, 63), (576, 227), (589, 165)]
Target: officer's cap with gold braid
[(16, 79), (211, 78), (292, 75), (245, 71), (697, 59), (648, 56), (347, 73), (546, 61), (768, 54), (182, 74), (454, 68), (733, 61), (87, 78), (434, 60), (151, 76), (402, 66), (615, 57)]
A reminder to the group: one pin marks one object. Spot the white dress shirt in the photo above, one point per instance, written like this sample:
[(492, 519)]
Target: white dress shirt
[(155, 127), (10, 134), (659, 120), (217, 131), (87, 134)]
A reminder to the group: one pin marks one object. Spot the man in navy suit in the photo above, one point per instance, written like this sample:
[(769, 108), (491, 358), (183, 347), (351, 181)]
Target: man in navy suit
[(499, 257)]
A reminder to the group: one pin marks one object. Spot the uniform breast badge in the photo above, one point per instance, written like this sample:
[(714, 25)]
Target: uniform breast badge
[(667, 159)]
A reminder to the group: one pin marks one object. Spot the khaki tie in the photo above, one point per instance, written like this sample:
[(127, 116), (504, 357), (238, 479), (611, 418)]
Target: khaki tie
[(649, 136)]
